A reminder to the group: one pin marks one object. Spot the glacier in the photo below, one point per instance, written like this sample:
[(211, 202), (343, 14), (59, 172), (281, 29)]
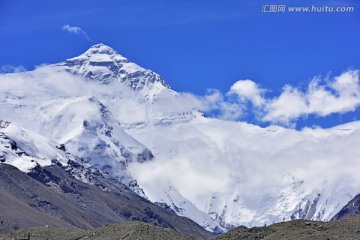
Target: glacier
[(126, 121)]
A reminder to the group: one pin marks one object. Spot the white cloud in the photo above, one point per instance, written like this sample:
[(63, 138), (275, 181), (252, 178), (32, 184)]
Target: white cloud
[(322, 97), (289, 105), (75, 30), (338, 95), (248, 90)]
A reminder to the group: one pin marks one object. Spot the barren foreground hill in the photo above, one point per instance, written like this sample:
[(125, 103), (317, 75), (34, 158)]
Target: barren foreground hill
[(122, 230), (347, 228)]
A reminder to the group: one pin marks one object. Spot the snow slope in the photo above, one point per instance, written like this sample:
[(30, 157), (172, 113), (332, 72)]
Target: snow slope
[(125, 120)]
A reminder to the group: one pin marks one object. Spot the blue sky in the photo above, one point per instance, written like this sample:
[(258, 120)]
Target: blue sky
[(194, 45)]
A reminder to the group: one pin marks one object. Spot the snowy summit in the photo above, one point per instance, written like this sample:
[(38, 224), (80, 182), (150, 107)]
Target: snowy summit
[(104, 64)]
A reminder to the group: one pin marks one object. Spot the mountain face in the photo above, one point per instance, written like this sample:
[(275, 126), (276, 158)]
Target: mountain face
[(52, 196), (106, 114)]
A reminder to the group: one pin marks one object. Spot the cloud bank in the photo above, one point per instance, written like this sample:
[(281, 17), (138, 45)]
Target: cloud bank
[(244, 100), (75, 30)]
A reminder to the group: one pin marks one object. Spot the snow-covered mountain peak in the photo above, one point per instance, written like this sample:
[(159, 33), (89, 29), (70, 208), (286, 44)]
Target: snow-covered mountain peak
[(101, 48), (104, 65), (101, 53)]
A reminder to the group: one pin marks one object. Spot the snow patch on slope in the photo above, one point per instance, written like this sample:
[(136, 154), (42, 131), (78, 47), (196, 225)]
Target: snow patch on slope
[(25, 149)]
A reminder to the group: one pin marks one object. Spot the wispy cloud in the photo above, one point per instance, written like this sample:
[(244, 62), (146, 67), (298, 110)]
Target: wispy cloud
[(75, 30), (12, 69), (217, 105)]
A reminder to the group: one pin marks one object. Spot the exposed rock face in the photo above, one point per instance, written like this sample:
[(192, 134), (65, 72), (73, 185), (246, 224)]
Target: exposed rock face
[(353, 207)]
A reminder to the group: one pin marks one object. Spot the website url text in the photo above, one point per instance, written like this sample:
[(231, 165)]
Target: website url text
[(305, 9)]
